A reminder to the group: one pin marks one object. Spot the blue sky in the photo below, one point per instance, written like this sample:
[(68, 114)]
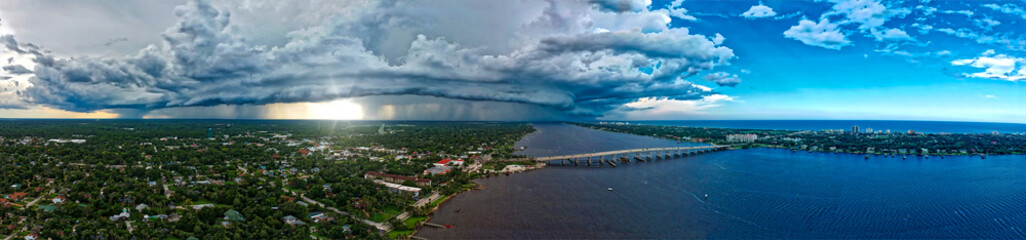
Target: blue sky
[(515, 60), (870, 78)]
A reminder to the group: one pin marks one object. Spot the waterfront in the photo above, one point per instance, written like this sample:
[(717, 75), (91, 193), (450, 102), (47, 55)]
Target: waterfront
[(882, 125), (753, 193)]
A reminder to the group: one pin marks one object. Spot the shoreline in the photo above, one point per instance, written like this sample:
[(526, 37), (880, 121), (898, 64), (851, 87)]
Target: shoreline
[(476, 187), (983, 155)]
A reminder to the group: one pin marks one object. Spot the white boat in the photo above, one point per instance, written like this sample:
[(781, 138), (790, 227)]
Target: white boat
[(610, 189)]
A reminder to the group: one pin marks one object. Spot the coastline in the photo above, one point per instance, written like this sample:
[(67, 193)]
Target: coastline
[(477, 186)]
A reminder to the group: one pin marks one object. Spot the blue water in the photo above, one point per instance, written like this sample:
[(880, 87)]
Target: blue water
[(894, 126), (753, 193)]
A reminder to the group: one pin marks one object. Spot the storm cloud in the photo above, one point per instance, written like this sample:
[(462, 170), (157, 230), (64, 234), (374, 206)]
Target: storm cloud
[(571, 57)]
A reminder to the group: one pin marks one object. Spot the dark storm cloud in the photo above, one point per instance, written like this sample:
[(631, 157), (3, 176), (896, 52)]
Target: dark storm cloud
[(723, 79), (201, 62), (114, 40), (17, 69)]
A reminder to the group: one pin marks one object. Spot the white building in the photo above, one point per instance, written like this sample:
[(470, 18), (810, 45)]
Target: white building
[(742, 137)]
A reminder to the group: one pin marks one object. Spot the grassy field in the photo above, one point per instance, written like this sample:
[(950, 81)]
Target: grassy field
[(413, 221)]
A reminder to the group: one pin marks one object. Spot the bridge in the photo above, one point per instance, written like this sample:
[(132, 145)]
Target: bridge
[(629, 155)]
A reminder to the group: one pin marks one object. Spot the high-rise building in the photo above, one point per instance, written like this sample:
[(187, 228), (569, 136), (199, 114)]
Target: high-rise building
[(854, 129), (869, 130), (210, 132)]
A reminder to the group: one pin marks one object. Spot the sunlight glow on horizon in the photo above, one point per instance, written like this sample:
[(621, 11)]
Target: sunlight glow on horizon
[(341, 109)]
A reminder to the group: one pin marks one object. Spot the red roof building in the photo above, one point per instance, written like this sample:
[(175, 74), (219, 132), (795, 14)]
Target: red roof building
[(443, 162)]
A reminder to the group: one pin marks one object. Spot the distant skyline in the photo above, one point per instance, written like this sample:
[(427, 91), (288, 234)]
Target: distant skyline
[(514, 60)]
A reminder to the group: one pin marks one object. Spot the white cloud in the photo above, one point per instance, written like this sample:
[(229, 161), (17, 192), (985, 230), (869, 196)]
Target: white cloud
[(892, 34), (663, 109), (868, 14), (1007, 8), (986, 23), (679, 12), (1000, 66), (759, 11), (823, 34), (967, 13)]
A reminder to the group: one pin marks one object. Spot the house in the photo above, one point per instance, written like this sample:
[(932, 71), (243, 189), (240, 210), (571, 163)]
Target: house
[(443, 163), (31, 236), (16, 196), (123, 216), (438, 170), (141, 206), (399, 188), (304, 152), (291, 220), (392, 178), (155, 217), (320, 217), (457, 162), (59, 200)]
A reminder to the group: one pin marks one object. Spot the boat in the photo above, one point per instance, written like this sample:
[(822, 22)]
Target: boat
[(610, 189), (867, 156)]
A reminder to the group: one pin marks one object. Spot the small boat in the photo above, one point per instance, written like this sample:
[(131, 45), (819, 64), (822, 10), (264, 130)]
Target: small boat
[(867, 156), (610, 189), (904, 157)]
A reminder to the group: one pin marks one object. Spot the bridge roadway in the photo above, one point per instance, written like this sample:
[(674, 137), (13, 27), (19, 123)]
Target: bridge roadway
[(639, 152)]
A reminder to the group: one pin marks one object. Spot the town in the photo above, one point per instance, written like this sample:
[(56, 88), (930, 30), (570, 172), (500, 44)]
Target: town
[(258, 179), (856, 140)]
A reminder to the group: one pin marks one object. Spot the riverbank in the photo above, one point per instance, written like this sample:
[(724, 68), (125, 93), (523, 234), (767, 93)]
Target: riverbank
[(485, 174)]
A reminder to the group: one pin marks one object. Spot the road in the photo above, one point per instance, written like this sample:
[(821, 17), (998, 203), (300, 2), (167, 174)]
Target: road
[(424, 201), (380, 226)]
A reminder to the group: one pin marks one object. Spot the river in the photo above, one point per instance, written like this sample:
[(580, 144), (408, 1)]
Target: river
[(752, 193)]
